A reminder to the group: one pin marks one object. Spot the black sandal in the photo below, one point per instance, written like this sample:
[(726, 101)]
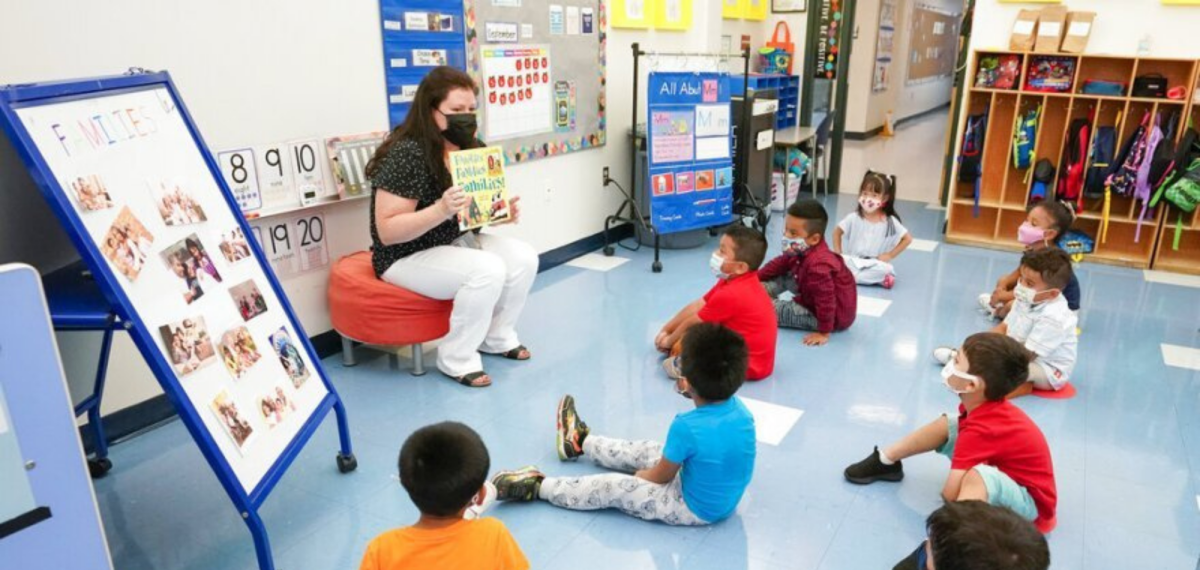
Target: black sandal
[(468, 380), (515, 354)]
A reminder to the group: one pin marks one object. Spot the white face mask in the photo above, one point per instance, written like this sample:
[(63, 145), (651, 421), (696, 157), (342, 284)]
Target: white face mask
[(951, 370), (715, 263), (869, 205), (1025, 294)]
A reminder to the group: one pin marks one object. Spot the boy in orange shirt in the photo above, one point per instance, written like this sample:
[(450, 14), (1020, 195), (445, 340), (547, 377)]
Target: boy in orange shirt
[(444, 468)]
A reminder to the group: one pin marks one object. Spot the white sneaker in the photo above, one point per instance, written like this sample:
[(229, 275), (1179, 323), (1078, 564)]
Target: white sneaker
[(672, 367), (476, 511), (944, 354), (985, 304)]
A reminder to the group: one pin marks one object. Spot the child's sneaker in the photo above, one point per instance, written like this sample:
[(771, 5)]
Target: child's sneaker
[(671, 365), (872, 469), (476, 510), (889, 281), (571, 430), (944, 354), (520, 485), (985, 305)]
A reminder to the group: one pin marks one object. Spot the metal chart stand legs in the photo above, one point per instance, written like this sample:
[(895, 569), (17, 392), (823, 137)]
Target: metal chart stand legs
[(99, 465)]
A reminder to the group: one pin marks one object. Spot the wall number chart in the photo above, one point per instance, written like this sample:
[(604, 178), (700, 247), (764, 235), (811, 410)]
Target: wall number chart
[(293, 244), (556, 107), (123, 167)]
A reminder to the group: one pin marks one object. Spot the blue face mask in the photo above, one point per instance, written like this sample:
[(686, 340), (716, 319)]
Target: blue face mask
[(794, 245)]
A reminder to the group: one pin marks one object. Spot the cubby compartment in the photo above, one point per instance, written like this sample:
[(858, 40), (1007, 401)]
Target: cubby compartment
[(1185, 258), (1006, 230), (978, 103), (1052, 131), (1046, 73), (1016, 180), (1119, 247), (1178, 72), (1105, 69), (966, 225), (998, 70), (997, 149)]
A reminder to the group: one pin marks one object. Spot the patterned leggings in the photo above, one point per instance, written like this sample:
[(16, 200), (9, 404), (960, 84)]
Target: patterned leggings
[(629, 494), (791, 314)]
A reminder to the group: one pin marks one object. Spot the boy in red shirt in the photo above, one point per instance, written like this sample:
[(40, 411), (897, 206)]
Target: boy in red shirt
[(825, 293), (737, 301), (997, 454)]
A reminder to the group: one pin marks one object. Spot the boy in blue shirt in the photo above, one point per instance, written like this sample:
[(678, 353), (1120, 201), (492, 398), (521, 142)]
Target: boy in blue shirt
[(697, 478)]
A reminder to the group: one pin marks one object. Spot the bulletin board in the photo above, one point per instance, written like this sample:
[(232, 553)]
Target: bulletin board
[(541, 70), (933, 44)]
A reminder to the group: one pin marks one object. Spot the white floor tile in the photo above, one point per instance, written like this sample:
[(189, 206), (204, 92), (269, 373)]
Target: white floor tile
[(1169, 278), (1181, 356), (923, 245), (772, 422), (597, 262), (872, 306)]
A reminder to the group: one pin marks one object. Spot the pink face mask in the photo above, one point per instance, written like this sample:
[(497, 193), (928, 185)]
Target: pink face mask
[(1029, 235)]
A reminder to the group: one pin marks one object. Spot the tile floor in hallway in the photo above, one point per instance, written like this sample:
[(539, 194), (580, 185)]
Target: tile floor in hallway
[(1126, 448), (914, 155)]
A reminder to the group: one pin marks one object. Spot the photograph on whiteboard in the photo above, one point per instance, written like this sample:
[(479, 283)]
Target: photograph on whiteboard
[(275, 406), (176, 204), (188, 345), (249, 299), (91, 194), (234, 245), (289, 357), (194, 269), (480, 174), (127, 244), (232, 420), (238, 351)]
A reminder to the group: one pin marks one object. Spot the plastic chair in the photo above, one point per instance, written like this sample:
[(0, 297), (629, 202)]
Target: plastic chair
[(824, 131)]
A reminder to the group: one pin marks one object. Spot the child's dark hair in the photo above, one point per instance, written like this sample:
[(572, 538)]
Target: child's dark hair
[(1061, 214), (1053, 264), (749, 245), (816, 219), (714, 361), (885, 185), (442, 466), (973, 535), (1001, 361)]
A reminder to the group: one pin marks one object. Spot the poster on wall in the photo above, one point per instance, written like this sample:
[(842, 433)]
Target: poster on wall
[(348, 157), (691, 167), (517, 91), (157, 221), (828, 31), (884, 45), (933, 44)]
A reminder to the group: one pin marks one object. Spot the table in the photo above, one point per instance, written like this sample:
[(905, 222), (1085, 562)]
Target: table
[(795, 137)]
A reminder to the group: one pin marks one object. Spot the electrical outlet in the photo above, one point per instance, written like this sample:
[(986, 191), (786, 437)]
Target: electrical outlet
[(549, 193), (606, 178)]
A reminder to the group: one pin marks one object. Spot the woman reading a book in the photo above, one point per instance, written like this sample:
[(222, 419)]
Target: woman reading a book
[(416, 240)]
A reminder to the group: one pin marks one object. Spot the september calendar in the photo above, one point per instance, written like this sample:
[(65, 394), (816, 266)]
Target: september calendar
[(518, 91)]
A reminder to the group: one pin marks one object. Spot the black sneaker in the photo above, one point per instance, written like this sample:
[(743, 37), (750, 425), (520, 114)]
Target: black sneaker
[(913, 561), (872, 469), (520, 485), (571, 430)]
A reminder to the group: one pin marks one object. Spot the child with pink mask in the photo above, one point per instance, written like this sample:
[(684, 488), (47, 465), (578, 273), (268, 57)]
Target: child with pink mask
[(873, 233), (1045, 223)]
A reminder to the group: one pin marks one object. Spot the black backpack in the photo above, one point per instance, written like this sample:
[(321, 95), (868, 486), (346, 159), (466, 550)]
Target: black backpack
[(1102, 162), (1043, 178), (1164, 153), (970, 159)]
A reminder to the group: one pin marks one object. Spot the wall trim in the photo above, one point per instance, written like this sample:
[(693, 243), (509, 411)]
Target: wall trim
[(130, 421), (868, 135)]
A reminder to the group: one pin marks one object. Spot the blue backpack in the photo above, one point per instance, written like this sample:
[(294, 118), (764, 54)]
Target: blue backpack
[(1024, 137), (970, 160), (1102, 162)]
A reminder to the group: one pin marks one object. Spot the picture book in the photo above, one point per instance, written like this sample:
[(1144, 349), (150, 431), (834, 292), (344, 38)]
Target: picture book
[(480, 174)]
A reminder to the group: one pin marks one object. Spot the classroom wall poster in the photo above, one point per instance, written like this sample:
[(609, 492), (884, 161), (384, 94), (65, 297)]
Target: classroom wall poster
[(630, 14), (830, 26), (564, 106), (884, 46), (673, 15), (690, 174), (517, 91), (348, 157)]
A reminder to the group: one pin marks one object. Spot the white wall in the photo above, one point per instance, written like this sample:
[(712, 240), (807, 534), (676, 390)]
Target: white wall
[(866, 110), (269, 71)]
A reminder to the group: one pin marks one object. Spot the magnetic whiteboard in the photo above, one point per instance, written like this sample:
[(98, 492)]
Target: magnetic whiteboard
[(560, 109), (140, 188)]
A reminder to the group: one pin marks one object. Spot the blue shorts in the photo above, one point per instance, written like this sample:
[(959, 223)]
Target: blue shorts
[(1002, 491)]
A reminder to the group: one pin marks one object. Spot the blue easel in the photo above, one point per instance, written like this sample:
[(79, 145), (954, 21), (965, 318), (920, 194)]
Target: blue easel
[(15, 99)]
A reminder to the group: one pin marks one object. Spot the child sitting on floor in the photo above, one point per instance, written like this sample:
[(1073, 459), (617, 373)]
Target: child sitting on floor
[(825, 296), (997, 454), (874, 234), (444, 468), (1041, 320), (737, 301), (697, 478), (1045, 223), (974, 534)]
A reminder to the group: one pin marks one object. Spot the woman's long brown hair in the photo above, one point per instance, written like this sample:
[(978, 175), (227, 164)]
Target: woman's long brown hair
[(420, 126)]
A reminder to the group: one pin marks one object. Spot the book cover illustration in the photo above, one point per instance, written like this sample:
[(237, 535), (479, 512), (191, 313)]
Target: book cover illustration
[(480, 174)]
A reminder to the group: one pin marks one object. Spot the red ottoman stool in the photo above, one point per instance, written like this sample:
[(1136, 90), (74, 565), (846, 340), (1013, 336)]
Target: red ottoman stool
[(366, 309)]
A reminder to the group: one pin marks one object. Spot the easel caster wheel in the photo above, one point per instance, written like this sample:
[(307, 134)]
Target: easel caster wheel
[(656, 267), (346, 463), (98, 468), (712, 232), (609, 251)]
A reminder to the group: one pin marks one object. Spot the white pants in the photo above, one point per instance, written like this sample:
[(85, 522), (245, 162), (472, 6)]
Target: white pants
[(633, 496), (488, 277), (868, 271)]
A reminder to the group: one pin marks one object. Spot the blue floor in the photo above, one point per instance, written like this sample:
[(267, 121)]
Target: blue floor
[(1126, 449)]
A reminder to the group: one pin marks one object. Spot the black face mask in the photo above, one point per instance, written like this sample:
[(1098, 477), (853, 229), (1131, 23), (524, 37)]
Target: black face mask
[(460, 129)]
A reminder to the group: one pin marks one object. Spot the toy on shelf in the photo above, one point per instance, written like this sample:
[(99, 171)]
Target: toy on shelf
[(998, 72), (1050, 74)]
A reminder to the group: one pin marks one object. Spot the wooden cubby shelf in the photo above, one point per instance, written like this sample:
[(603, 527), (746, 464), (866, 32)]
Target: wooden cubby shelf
[(1005, 189)]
